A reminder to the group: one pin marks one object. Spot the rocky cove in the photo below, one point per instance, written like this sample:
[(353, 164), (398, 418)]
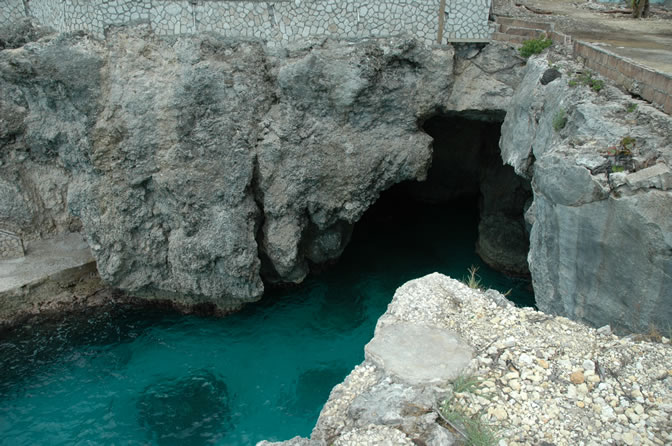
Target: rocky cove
[(200, 168)]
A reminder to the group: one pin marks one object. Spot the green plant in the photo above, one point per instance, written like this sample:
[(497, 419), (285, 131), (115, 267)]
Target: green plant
[(587, 79), (628, 143), (615, 169), (534, 46), (559, 120), (631, 107), (473, 280), (473, 429), (597, 85), (465, 383)]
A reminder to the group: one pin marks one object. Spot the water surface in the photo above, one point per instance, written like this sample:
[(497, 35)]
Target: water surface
[(131, 376)]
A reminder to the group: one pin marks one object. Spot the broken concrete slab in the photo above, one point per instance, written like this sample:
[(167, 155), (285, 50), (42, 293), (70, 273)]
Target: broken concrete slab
[(44, 258), (418, 354), (55, 274)]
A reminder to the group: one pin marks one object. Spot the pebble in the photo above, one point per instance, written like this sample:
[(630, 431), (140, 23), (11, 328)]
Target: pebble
[(577, 377)]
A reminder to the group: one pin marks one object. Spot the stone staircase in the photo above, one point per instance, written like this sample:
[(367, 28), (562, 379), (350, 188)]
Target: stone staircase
[(512, 30)]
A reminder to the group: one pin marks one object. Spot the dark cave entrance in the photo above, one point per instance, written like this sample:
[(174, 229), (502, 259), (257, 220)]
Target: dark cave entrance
[(468, 189)]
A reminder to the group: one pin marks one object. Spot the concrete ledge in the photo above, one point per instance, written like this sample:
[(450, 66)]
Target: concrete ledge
[(44, 258), (54, 274), (651, 85)]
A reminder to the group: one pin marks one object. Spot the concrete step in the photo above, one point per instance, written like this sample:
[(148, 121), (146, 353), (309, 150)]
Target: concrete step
[(503, 37), (524, 23), (526, 32)]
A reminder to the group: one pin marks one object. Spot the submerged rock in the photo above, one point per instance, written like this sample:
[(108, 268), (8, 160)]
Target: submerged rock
[(186, 411)]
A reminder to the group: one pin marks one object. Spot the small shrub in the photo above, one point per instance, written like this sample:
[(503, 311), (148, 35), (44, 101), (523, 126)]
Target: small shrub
[(534, 46), (628, 144), (559, 120), (615, 169), (631, 107), (597, 85), (587, 79)]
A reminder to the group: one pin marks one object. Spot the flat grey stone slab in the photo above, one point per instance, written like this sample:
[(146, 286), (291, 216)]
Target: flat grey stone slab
[(417, 354), (44, 258)]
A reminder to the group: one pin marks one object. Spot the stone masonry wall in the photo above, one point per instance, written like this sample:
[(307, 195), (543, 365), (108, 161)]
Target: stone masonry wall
[(278, 21), (11, 10), (11, 246)]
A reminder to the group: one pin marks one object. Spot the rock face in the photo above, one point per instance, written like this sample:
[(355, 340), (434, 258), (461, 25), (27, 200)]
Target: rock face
[(601, 239), (197, 165)]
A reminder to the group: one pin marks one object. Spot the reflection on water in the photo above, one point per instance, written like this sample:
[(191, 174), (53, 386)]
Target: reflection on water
[(132, 376)]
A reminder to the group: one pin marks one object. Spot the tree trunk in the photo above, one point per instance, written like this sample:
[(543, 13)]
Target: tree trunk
[(640, 8)]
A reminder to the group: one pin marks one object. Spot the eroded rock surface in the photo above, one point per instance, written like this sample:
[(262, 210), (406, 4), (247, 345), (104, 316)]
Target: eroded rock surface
[(197, 165), (601, 238)]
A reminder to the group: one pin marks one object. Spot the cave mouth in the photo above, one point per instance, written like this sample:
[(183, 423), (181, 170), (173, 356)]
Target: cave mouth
[(468, 211)]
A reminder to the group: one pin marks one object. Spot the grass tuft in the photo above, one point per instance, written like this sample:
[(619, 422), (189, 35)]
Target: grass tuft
[(559, 120), (534, 46), (473, 429), (473, 280), (464, 384), (587, 79)]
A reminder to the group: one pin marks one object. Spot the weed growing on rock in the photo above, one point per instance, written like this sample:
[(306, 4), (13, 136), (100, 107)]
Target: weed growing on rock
[(559, 120), (655, 334), (474, 430), (473, 280), (587, 79), (628, 144), (464, 384), (622, 153), (534, 46), (631, 107)]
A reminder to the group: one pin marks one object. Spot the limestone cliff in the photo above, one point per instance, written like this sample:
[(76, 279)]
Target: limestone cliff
[(196, 165), (601, 239)]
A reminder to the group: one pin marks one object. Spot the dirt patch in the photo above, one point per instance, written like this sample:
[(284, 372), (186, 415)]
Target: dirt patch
[(646, 41)]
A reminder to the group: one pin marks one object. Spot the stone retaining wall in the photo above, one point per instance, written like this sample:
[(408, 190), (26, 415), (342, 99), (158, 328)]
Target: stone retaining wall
[(274, 21), (11, 245), (653, 86)]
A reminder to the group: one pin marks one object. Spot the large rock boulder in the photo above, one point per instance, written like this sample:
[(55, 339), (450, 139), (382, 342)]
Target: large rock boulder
[(197, 165), (601, 239)]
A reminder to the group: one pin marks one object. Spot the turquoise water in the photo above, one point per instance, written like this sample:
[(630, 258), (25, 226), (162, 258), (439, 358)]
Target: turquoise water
[(130, 376)]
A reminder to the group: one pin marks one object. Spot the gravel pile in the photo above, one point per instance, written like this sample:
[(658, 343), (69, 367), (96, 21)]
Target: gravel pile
[(549, 379)]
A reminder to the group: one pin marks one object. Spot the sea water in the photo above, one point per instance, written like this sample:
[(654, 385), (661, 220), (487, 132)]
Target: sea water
[(131, 376)]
